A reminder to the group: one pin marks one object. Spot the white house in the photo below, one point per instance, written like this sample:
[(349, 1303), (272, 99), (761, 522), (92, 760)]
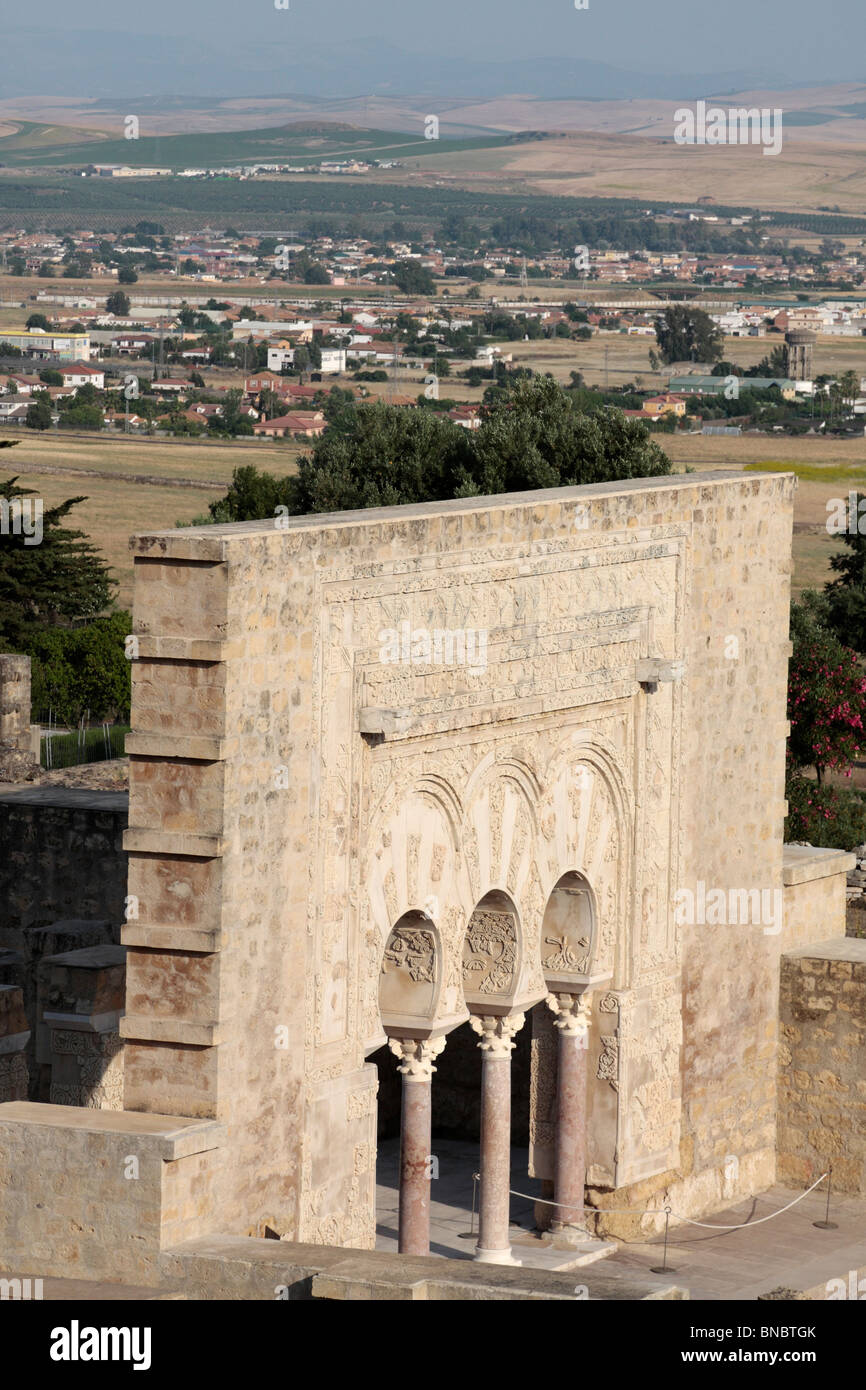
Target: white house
[(333, 360), (80, 374), (279, 357)]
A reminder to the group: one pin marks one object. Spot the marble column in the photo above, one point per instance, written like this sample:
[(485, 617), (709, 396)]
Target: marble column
[(572, 1024), (416, 1067), (496, 1040)]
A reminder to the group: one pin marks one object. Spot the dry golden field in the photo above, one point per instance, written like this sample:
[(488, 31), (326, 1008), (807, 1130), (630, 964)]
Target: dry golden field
[(825, 469), (119, 500)]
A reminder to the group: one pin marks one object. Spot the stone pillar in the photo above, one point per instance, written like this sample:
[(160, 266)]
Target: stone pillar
[(496, 1036), (14, 1036), (416, 1067), (78, 1047), (16, 759), (572, 1024)]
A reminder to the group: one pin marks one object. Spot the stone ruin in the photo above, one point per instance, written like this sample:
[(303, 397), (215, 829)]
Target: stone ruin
[(354, 825), (19, 758)]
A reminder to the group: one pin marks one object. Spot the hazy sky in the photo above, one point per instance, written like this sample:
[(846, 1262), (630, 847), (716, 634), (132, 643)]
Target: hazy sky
[(804, 40)]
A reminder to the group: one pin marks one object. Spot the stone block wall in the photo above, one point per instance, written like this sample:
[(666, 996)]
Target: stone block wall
[(14, 1036), (273, 844), (98, 1194), (814, 894), (61, 856), (16, 756), (822, 1080), (81, 999)]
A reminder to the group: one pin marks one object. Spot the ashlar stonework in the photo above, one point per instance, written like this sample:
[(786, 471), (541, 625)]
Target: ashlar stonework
[(334, 842)]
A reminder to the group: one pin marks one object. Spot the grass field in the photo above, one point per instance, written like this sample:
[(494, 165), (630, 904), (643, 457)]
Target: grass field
[(815, 169), (35, 144)]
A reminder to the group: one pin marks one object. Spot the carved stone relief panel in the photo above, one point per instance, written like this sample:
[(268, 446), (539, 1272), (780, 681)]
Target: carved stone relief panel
[(407, 983), (489, 954)]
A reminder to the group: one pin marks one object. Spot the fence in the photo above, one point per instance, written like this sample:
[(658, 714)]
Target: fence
[(82, 745)]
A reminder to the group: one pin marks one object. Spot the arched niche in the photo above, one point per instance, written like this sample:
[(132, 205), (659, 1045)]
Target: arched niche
[(410, 976), (569, 934), (491, 955)]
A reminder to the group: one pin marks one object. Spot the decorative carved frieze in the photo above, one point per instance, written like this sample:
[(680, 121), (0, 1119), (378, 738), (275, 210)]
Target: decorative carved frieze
[(608, 1062), (562, 957)]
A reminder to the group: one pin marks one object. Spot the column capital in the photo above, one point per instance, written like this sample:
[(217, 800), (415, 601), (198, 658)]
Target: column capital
[(572, 1013), (416, 1056), (496, 1032)]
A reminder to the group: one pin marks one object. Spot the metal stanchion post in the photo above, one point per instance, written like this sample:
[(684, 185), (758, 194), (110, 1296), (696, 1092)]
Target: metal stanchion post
[(663, 1267), (827, 1224)]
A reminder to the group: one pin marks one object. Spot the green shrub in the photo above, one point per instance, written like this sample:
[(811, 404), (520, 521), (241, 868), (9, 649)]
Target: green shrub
[(831, 816)]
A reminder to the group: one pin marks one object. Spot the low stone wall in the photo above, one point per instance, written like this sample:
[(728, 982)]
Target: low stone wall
[(61, 856), (235, 1268), (98, 1194), (814, 894), (822, 1085)]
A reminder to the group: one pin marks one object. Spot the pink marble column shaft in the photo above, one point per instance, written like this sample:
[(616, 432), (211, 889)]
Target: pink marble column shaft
[(415, 1169), (496, 1043), (572, 1024)]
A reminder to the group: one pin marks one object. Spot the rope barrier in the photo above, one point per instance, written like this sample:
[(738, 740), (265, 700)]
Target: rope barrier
[(711, 1226), (659, 1211)]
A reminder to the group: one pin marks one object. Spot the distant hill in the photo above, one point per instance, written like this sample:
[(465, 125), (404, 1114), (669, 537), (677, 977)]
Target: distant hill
[(35, 144), (108, 64)]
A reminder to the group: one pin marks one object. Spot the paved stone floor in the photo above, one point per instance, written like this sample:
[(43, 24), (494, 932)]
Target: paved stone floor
[(785, 1252)]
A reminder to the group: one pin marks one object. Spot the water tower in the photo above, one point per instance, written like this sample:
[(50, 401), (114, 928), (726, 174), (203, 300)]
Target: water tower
[(800, 344)]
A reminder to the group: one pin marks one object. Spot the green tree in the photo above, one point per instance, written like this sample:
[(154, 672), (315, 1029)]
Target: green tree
[(316, 274), (826, 689), (536, 435), (118, 304), (271, 404), (533, 435), (684, 333), (126, 275), (58, 583), (81, 670), (414, 278), (38, 415), (82, 417), (845, 597), (849, 384), (38, 321)]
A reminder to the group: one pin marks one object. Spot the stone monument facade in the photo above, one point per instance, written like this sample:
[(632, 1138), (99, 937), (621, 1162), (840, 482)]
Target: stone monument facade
[(396, 769)]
